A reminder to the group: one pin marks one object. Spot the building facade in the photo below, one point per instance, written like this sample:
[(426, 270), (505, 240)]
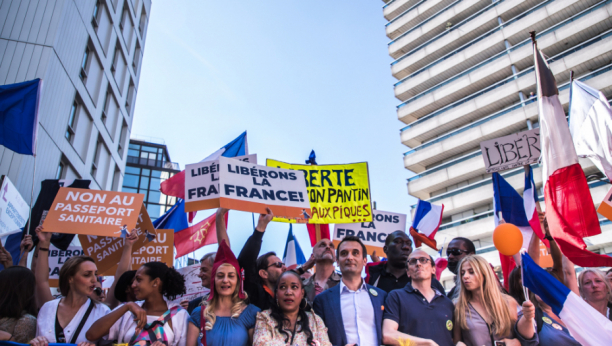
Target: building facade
[(148, 165), (89, 55), (464, 71)]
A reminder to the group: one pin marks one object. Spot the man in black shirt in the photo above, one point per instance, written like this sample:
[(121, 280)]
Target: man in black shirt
[(260, 273), (457, 250), (391, 274)]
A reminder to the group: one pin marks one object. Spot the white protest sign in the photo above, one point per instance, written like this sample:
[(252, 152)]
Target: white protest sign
[(515, 150), (14, 211), (193, 284), (372, 234), (202, 183), (253, 188), (57, 258)]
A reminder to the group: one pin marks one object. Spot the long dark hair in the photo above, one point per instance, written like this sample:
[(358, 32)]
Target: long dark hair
[(17, 292), (279, 316)]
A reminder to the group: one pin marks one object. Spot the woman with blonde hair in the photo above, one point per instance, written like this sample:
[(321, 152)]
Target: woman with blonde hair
[(483, 314), (596, 290), (225, 319)]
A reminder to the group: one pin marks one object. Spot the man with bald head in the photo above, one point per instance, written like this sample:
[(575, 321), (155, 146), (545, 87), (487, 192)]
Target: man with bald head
[(323, 256), (419, 312), (391, 274)]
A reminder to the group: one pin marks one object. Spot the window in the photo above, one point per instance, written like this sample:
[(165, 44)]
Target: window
[(97, 12), (72, 121), (96, 159), (124, 17), (116, 177), (136, 59), (105, 107), (115, 58), (60, 171), (85, 64), (122, 138), (130, 98), (143, 22)]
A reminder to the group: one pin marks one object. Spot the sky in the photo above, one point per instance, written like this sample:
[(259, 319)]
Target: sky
[(296, 75)]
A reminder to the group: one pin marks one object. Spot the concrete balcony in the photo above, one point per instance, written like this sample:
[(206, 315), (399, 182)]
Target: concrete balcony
[(444, 118), (552, 41), (454, 13), (394, 8), (487, 34), (412, 16)]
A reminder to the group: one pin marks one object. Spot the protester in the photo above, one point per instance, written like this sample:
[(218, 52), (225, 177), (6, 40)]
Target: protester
[(125, 264), (6, 259), (418, 312), (133, 322), (550, 329), (290, 320), (325, 277), (17, 304), (352, 310), (609, 275), (98, 294), (206, 265), (483, 313), (260, 273), (458, 249), (226, 318), (66, 319), (595, 290)]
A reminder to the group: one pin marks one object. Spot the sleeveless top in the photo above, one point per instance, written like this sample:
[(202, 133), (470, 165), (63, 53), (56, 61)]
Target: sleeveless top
[(478, 333)]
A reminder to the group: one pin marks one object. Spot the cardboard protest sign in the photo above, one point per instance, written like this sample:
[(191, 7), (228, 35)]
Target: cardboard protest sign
[(106, 251), (605, 207), (253, 188), (101, 213), (202, 183), (515, 150), (57, 258), (193, 284), (337, 193), (372, 234), (14, 211)]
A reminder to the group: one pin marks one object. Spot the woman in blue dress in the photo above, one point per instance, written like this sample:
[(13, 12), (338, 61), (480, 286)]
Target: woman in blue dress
[(225, 319)]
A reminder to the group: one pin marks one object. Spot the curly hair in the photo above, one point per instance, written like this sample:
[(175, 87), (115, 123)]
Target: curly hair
[(281, 320), (173, 282), (238, 305)]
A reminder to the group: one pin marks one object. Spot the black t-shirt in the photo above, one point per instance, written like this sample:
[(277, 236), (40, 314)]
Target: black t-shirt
[(418, 317), (379, 277)]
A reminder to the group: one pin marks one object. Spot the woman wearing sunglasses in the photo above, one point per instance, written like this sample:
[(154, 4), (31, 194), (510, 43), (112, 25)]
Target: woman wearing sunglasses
[(67, 319), (225, 318), (483, 314)]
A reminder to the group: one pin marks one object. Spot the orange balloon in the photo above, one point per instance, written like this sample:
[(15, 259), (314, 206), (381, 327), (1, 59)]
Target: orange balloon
[(508, 239)]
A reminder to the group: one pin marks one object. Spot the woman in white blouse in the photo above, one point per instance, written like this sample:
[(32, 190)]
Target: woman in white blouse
[(130, 322), (66, 320)]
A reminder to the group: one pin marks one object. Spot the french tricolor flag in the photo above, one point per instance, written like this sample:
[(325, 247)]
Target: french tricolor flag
[(293, 255), (427, 220), (585, 324), (530, 198)]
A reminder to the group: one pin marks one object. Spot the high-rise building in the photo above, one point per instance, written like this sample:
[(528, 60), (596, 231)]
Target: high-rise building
[(465, 74), (148, 165), (89, 55)]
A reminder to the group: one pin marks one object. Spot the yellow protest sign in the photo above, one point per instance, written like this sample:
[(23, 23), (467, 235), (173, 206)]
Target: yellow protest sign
[(337, 193)]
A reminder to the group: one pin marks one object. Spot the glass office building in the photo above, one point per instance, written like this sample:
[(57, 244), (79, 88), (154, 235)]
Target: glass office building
[(148, 165)]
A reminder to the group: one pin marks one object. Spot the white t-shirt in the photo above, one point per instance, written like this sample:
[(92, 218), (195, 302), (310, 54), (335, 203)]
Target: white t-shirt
[(124, 328), (45, 323)]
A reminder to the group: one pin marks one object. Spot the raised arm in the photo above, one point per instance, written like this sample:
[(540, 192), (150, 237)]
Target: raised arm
[(569, 273), (220, 222), (250, 251), (43, 291), (26, 246), (5, 257), (123, 266), (103, 325)]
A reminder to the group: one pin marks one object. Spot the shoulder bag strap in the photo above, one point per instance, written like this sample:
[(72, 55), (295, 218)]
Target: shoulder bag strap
[(83, 320), (202, 326)]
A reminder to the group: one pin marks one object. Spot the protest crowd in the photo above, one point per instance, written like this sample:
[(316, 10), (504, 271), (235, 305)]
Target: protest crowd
[(262, 300)]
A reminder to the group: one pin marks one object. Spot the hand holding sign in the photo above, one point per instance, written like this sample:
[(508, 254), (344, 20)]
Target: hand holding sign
[(44, 238)]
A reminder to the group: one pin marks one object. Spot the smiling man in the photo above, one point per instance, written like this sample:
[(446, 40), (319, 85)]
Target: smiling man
[(419, 312), (325, 277), (352, 310)]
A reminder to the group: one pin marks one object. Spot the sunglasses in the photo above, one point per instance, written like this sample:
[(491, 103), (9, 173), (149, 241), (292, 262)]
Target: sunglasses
[(277, 265), (98, 291), (422, 260), (455, 252)]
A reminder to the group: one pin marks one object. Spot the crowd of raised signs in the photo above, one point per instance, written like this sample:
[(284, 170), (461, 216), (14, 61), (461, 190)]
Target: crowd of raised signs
[(255, 300)]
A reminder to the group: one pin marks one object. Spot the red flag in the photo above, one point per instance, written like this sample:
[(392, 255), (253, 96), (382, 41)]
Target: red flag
[(317, 232), (507, 264), (420, 238), (570, 211), (174, 186), (196, 236), (441, 264)]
